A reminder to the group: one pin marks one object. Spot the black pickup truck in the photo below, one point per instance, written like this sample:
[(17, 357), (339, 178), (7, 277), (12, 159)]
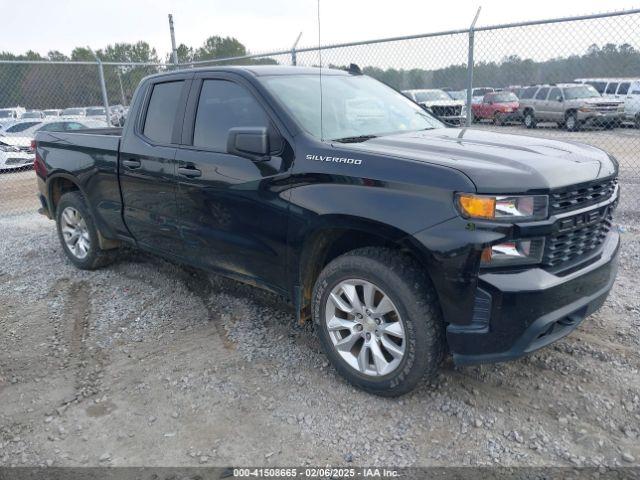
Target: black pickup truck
[(401, 238)]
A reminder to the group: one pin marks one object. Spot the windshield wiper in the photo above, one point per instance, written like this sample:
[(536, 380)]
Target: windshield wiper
[(356, 139)]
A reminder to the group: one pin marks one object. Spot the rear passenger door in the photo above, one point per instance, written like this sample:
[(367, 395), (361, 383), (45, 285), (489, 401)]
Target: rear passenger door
[(555, 105), (147, 165), (540, 104), (232, 209)]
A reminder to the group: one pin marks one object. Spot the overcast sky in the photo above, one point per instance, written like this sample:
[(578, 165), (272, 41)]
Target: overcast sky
[(262, 25)]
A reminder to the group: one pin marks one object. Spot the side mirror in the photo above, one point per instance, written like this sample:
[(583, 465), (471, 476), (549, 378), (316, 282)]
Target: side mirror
[(559, 98), (249, 142)]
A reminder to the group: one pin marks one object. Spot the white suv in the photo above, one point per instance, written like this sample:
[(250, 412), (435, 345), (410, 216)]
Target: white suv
[(623, 89)]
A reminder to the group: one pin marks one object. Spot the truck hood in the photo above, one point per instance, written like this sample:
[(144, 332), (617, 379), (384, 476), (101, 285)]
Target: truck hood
[(498, 162)]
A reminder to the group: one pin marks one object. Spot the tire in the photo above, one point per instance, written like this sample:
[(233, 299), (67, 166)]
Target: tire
[(498, 119), (571, 122), (75, 222), (637, 120), (529, 119), (415, 314)]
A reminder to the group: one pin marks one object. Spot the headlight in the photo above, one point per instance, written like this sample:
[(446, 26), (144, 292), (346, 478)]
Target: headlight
[(621, 107), (514, 252), (503, 207), (586, 109)]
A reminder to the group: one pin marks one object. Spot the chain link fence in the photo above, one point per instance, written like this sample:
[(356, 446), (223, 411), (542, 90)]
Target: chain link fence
[(515, 85)]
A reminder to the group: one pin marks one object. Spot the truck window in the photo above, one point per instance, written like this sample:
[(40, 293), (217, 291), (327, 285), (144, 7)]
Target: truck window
[(161, 112), (224, 105), (623, 88), (611, 88), (528, 93), (542, 93), (554, 94)]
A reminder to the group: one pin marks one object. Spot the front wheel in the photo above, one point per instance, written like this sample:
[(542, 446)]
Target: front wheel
[(378, 320), (637, 120), (571, 122)]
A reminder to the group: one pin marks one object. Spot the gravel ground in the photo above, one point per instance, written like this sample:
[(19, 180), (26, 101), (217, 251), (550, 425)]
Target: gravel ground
[(149, 363)]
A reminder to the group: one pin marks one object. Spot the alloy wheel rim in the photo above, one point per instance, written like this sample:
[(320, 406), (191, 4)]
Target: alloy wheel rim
[(365, 327), (75, 233)]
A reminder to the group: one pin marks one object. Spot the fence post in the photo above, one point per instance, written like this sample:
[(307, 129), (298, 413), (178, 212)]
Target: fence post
[(174, 52), (103, 87), (470, 66)]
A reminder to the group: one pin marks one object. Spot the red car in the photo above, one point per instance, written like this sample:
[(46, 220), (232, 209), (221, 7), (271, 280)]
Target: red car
[(497, 106)]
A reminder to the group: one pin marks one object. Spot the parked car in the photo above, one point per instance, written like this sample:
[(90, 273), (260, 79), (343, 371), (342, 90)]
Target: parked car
[(570, 105), (394, 234), (501, 107), (623, 89), (74, 112), (32, 114), (18, 139), (12, 113), (440, 104), (52, 112), (14, 155)]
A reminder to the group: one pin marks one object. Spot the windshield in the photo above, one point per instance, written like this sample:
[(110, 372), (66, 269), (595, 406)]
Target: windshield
[(503, 97), (32, 115), (7, 114), (94, 111), (431, 95), (583, 91), (352, 106), (457, 95), (51, 113), (73, 111)]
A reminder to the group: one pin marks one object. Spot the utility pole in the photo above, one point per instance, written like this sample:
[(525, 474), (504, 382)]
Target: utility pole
[(174, 52)]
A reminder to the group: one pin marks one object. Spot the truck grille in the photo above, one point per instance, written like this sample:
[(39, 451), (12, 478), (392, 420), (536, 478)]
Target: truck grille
[(582, 195), (606, 107), (449, 111), (577, 237)]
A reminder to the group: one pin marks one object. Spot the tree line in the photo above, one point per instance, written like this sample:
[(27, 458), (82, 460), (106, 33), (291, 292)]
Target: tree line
[(60, 86)]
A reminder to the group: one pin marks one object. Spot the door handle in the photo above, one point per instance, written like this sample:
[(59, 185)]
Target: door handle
[(189, 172), (130, 163)]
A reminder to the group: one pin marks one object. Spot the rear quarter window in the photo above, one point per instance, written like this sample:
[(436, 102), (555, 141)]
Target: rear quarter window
[(161, 111)]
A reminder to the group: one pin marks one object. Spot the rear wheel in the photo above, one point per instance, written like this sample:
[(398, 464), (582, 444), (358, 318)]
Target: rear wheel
[(498, 119), (77, 233), (529, 119), (571, 122), (378, 320)]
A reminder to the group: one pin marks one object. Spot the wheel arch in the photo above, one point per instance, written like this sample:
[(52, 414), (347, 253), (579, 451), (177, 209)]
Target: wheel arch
[(336, 235)]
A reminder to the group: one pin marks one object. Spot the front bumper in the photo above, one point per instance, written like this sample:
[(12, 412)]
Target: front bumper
[(600, 117), (530, 309)]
